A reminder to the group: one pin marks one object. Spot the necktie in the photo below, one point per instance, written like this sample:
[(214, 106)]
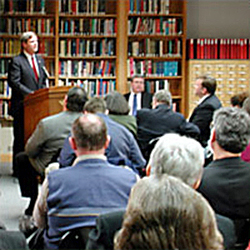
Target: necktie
[(34, 68), (134, 105)]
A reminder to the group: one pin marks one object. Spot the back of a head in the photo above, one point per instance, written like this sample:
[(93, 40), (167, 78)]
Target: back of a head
[(238, 99), (178, 156), (165, 213), (116, 103), (95, 105), (89, 132), (209, 83), (246, 105), (232, 129), (76, 99), (163, 96)]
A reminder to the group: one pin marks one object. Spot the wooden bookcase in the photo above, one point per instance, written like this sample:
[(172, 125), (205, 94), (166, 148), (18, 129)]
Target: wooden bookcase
[(94, 42)]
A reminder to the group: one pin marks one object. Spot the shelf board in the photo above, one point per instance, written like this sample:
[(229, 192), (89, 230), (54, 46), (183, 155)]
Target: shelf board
[(5, 98), (17, 36), (35, 15), (144, 14), (156, 58), (87, 15), (87, 77), (89, 36), (156, 36), (73, 57)]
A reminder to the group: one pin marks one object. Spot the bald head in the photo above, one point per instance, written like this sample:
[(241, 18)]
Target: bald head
[(89, 132)]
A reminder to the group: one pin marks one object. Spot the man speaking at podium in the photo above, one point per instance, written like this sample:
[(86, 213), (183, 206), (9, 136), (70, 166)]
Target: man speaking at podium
[(26, 74)]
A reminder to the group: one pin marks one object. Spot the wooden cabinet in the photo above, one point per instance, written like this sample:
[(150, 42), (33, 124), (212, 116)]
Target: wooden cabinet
[(99, 44), (232, 76)]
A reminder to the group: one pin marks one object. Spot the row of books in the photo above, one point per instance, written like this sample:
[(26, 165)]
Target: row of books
[(85, 6), (152, 26), (15, 26), (4, 64), (155, 47), (149, 6), (5, 90), (93, 87), (11, 6), (85, 68), (154, 86), (13, 47), (86, 47), (93, 26), (153, 68), (203, 48)]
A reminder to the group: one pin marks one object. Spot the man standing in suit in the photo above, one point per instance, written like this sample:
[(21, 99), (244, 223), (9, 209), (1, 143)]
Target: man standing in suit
[(203, 114), (153, 123), (137, 98), (26, 74)]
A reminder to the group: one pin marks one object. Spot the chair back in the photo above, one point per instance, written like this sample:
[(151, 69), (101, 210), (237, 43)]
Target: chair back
[(75, 238)]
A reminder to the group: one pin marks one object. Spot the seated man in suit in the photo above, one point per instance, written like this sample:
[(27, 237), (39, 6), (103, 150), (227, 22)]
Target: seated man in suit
[(45, 142), (225, 183), (123, 148), (202, 115), (153, 123), (174, 155), (73, 197), (137, 97)]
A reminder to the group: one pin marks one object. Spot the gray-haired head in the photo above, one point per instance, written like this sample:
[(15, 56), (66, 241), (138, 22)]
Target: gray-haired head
[(232, 129), (246, 105), (116, 103), (163, 96), (26, 36), (178, 156)]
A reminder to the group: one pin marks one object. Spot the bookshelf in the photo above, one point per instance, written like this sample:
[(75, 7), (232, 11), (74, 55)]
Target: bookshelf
[(99, 43)]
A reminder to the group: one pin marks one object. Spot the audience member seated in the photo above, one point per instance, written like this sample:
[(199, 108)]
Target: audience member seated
[(73, 197), (137, 98), (118, 109), (225, 183), (245, 155), (174, 155), (45, 143), (238, 99), (10, 240), (153, 123), (165, 213), (202, 115), (123, 148)]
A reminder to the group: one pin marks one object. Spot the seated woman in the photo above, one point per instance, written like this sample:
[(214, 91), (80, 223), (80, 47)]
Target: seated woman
[(118, 109), (165, 213)]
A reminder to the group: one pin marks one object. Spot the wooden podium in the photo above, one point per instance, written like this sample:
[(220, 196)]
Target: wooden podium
[(40, 104)]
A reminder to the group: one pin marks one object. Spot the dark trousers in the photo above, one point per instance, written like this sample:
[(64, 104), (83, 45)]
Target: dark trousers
[(27, 176), (18, 130)]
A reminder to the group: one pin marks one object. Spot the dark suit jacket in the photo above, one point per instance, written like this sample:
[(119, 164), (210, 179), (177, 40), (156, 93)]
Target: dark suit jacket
[(202, 117), (226, 186), (153, 123), (102, 237), (146, 99), (22, 80)]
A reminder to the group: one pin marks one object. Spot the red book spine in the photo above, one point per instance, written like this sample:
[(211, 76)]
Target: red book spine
[(191, 48), (202, 48), (212, 54), (198, 48), (216, 49), (73, 6)]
